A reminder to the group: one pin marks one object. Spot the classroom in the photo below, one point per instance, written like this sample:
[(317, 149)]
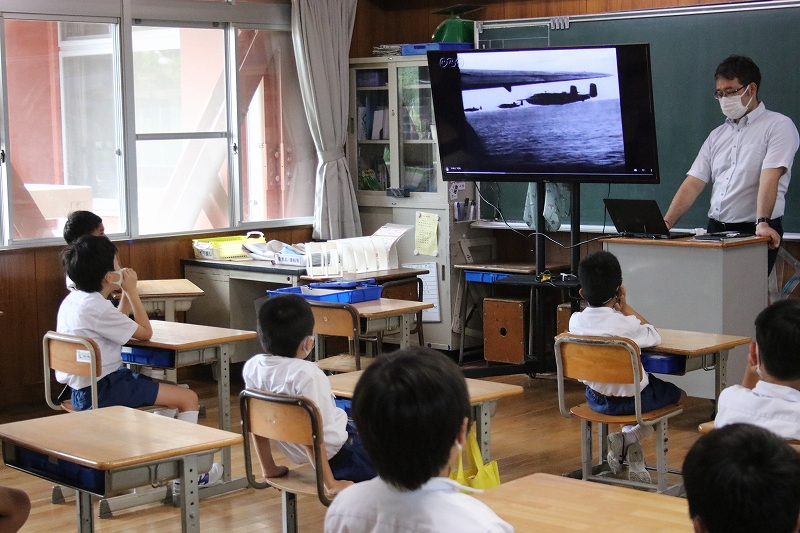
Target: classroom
[(185, 120)]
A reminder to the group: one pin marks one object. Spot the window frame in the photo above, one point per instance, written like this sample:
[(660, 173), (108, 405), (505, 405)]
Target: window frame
[(127, 14)]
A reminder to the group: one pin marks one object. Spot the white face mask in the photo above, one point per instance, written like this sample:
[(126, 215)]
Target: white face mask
[(117, 283), (732, 106)]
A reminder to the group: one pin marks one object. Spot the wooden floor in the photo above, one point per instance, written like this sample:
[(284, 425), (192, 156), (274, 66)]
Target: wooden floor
[(528, 435)]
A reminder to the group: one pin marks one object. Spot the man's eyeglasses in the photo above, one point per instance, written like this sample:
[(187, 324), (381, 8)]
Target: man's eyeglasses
[(728, 92)]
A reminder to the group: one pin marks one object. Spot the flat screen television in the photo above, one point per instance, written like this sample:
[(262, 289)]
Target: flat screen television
[(580, 114)]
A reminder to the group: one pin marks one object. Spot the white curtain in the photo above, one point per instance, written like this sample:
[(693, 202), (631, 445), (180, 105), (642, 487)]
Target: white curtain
[(321, 31)]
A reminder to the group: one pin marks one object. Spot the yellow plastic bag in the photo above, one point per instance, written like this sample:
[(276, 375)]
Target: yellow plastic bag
[(477, 475)]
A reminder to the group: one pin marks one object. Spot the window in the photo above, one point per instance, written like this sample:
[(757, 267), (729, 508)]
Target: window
[(62, 118), (216, 131)]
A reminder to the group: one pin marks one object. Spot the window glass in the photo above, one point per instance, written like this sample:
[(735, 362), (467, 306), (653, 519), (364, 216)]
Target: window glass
[(279, 160), (62, 113), (181, 129)]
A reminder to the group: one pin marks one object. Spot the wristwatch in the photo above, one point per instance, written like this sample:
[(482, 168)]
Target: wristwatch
[(762, 219)]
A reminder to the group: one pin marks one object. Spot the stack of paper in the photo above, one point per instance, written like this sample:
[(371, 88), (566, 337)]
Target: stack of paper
[(386, 50)]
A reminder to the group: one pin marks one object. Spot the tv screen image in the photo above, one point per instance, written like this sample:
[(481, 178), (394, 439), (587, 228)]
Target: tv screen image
[(556, 114)]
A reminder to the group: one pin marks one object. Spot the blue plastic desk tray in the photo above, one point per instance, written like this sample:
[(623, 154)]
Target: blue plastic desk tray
[(142, 355), (663, 364), (58, 470), (348, 292), (475, 276)]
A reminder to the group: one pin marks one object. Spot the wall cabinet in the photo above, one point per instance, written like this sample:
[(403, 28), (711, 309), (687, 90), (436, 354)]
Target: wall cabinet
[(392, 144)]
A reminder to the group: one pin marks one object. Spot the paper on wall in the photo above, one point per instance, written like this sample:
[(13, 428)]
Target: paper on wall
[(425, 236)]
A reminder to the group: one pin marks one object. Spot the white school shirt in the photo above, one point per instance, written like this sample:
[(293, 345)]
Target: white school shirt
[(773, 407), (733, 156), (608, 322), (298, 377), (88, 314), (374, 506)]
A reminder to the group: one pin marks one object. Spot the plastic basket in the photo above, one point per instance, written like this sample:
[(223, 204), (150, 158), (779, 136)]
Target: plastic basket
[(361, 292), (475, 276), (663, 363), (143, 355), (225, 248)]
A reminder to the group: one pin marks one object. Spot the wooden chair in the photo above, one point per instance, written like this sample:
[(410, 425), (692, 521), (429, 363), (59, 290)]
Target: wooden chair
[(609, 360), (403, 289), (339, 320), (707, 427), (291, 419), (74, 355)]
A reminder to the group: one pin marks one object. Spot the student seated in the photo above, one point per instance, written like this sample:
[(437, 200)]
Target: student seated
[(15, 506), (412, 408), (86, 312), (769, 395), (742, 479), (609, 314), (285, 329)]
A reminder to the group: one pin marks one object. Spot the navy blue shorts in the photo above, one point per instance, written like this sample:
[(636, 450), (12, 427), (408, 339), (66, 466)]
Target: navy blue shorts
[(656, 395), (351, 462), (121, 387)]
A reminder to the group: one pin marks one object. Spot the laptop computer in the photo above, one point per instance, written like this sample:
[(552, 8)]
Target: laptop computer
[(639, 218)]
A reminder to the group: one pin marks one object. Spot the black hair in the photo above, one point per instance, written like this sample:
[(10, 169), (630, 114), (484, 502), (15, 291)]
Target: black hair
[(283, 322), (739, 68), (409, 407), (88, 260), (80, 223), (743, 479), (778, 339), (600, 276)]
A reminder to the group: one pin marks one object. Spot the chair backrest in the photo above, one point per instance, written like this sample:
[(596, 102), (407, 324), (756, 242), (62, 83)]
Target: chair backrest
[(600, 359), (73, 355), (292, 419), (338, 320), (406, 289)]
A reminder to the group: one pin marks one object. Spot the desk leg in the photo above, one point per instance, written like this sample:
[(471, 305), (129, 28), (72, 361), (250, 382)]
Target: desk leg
[(463, 317), (224, 403), (482, 413), (83, 502), (190, 500), (720, 375), (405, 333)]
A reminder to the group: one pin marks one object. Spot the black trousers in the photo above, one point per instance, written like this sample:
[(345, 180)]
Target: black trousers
[(715, 226)]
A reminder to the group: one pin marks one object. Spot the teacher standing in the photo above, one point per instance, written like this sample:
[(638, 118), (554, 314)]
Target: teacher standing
[(747, 160)]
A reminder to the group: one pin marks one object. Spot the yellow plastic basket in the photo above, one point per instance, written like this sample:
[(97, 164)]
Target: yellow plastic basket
[(225, 248)]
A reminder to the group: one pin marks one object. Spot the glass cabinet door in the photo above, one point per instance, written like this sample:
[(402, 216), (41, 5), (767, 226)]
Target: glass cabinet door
[(417, 149), (373, 130)]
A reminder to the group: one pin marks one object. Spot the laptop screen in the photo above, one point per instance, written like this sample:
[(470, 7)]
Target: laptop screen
[(636, 217)]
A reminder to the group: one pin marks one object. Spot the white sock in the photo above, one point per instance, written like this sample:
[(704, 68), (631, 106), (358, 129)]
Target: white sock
[(636, 433), (189, 416), (169, 413)]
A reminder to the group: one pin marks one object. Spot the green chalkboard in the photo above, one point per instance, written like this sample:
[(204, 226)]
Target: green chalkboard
[(686, 44)]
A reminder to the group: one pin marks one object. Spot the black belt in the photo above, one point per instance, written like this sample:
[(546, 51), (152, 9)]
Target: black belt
[(742, 226)]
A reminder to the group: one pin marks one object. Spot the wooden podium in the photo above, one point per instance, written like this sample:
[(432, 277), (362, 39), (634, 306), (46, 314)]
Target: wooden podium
[(711, 287)]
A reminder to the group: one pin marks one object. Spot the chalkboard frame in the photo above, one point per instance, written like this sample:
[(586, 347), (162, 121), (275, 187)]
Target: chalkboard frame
[(686, 44)]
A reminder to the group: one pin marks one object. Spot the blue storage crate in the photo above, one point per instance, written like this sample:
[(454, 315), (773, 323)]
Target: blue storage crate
[(60, 471), (422, 48), (360, 292), (476, 276), (142, 355), (663, 363)]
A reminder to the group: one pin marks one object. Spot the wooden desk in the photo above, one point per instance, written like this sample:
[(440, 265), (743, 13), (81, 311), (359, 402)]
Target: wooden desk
[(389, 316), (195, 344), (534, 325), (544, 503), (483, 396), (104, 451), (380, 276), (167, 296), (702, 350)]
